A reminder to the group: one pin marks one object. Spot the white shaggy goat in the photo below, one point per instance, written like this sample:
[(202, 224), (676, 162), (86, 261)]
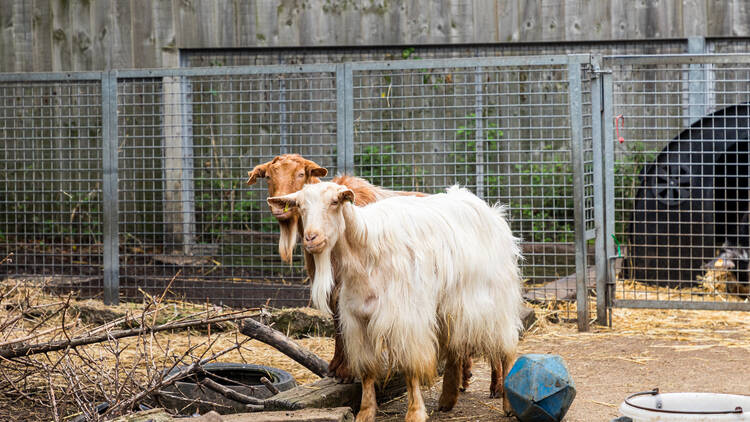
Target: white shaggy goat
[(420, 276)]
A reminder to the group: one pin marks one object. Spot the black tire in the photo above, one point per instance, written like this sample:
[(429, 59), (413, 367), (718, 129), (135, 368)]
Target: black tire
[(178, 396)]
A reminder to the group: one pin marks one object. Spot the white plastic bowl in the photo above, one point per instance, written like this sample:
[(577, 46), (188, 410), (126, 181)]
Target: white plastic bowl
[(676, 407)]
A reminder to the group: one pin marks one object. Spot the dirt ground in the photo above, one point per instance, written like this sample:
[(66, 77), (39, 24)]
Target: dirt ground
[(605, 370), (676, 351)]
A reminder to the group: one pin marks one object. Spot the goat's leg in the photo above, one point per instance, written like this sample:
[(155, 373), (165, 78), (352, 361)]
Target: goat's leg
[(508, 360), (466, 372), (454, 366), (496, 379), (369, 404), (416, 411), (339, 366)]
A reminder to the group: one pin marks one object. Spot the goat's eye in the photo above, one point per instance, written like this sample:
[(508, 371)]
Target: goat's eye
[(301, 175), (334, 203)]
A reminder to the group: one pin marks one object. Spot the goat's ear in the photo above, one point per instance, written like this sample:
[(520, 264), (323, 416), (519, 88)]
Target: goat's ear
[(346, 195), (258, 171), (313, 169), (286, 201)]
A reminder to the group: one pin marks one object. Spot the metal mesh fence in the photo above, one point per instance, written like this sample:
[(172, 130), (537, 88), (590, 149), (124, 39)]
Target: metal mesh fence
[(51, 172), (179, 144), (504, 131), (186, 144), (681, 181)]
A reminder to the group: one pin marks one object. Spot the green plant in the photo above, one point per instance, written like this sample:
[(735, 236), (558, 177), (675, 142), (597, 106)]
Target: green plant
[(538, 193), (384, 166)]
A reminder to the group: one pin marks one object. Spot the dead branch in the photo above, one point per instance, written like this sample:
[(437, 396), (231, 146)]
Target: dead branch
[(251, 403), (18, 350), (272, 388), (285, 345), (187, 371)]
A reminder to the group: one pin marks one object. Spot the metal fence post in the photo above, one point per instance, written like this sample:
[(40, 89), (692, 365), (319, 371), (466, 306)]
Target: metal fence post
[(344, 119), (479, 133), (608, 153), (599, 187), (110, 238), (575, 112)]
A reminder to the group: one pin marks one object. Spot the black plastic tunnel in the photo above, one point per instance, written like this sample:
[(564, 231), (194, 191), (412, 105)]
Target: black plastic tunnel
[(691, 201)]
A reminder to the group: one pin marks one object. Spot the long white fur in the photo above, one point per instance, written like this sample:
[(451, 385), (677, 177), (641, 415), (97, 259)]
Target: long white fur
[(417, 274)]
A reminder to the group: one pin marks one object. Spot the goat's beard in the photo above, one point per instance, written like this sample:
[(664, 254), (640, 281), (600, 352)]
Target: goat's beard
[(287, 238), (323, 282)]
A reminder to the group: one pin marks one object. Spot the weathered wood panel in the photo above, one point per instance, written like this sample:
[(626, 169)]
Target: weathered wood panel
[(60, 35)]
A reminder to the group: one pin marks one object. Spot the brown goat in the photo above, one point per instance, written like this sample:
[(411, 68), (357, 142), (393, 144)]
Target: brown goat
[(287, 174)]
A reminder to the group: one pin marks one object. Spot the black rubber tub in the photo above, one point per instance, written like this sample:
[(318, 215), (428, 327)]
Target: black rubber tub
[(691, 201), (187, 397)]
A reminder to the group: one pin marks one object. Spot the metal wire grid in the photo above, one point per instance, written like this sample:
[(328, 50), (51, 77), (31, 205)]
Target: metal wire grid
[(502, 131), (681, 194), (51, 168), (186, 145), (185, 140)]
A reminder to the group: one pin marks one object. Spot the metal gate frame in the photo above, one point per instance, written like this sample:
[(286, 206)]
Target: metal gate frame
[(696, 97)]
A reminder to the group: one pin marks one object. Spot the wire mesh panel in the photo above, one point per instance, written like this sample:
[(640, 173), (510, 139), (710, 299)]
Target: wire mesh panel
[(51, 168), (681, 181), (187, 142), (500, 127)]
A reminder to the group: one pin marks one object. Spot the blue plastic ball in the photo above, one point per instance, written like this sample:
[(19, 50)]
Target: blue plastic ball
[(540, 388)]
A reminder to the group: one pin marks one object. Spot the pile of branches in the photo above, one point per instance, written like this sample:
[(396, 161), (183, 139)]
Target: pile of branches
[(55, 366)]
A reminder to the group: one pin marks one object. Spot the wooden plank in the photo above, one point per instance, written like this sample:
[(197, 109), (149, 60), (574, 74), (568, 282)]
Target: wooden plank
[(166, 38), (245, 23), (207, 23), (81, 38), (328, 392), (587, 19), (41, 41), (661, 19), (484, 15), (267, 25), (145, 50), (553, 20), (694, 17), (7, 54), (740, 18), (186, 24), (121, 42), (61, 37), (561, 289), (22, 45), (508, 21), (458, 23), (102, 22), (338, 414), (531, 20), (719, 18)]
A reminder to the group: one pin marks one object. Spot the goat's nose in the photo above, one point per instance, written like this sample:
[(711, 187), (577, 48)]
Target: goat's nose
[(309, 237)]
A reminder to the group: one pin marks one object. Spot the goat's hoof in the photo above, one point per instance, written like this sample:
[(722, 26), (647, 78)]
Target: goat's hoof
[(416, 416), (366, 415), (496, 394), (446, 404)]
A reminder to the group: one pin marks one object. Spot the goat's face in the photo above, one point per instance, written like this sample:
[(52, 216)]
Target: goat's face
[(320, 206), (286, 174)]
